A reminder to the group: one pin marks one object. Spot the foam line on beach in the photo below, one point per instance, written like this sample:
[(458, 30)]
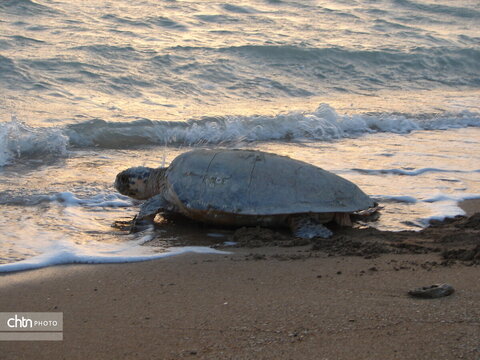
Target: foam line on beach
[(443, 210), (442, 206), (450, 197), (100, 200), (414, 172), (396, 198), (64, 252), (67, 199), (440, 197)]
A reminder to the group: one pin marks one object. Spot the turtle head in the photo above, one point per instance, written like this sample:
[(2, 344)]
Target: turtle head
[(139, 182)]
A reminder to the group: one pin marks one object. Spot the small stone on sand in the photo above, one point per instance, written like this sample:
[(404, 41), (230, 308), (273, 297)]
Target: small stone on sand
[(433, 291)]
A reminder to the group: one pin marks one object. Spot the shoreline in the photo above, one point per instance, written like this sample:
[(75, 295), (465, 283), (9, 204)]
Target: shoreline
[(268, 302)]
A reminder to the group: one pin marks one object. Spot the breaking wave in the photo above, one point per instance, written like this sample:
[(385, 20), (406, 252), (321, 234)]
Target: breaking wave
[(19, 140), (322, 124)]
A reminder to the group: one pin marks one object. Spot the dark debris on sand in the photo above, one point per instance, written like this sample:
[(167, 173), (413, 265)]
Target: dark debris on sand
[(454, 239), (252, 237)]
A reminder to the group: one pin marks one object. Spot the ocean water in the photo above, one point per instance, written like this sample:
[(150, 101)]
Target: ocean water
[(385, 93)]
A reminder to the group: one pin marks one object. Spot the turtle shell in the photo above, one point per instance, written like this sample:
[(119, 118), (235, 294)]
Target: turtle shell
[(247, 182)]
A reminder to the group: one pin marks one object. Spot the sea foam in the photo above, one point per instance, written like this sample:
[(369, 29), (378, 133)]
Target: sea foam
[(323, 124), (414, 172), (19, 140), (441, 206), (66, 252), (100, 200)]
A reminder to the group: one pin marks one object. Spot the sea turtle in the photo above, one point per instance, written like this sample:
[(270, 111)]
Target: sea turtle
[(245, 188)]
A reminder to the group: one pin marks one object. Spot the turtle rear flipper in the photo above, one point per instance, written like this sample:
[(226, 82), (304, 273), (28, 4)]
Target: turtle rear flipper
[(306, 227)]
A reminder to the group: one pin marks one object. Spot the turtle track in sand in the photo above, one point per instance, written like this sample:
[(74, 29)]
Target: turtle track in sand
[(456, 239)]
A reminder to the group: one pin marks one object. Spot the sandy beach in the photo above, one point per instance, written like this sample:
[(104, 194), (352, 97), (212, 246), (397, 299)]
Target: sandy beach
[(347, 301), (243, 112)]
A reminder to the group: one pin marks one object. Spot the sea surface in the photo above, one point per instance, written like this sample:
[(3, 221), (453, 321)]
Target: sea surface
[(385, 93)]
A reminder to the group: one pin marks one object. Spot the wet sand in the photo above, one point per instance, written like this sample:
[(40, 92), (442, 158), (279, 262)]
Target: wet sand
[(277, 301), (470, 206)]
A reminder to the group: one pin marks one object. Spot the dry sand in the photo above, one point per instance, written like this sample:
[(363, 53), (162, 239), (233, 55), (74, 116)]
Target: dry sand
[(345, 299)]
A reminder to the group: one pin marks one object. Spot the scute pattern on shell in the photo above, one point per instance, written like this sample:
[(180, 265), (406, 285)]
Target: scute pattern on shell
[(251, 182)]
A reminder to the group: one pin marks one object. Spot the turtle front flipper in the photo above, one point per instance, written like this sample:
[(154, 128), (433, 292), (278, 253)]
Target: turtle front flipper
[(148, 210), (306, 227)]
